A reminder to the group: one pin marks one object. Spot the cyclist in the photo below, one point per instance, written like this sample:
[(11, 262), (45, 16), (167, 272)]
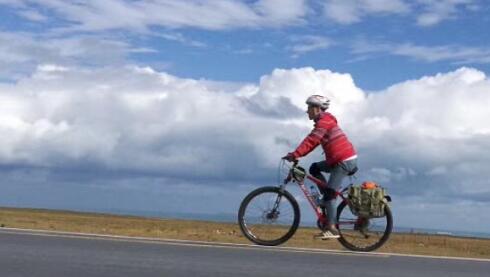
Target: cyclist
[(341, 157)]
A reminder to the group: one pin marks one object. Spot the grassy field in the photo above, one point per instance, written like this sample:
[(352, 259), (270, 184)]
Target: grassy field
[(224, 232)]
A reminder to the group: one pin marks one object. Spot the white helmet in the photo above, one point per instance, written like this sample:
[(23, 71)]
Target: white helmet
[(319, 101)]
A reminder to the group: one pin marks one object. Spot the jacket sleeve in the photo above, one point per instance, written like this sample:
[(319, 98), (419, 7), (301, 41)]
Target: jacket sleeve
[(310, 142)]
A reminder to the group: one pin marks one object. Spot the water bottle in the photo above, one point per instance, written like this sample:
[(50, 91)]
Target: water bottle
[(315, 195)]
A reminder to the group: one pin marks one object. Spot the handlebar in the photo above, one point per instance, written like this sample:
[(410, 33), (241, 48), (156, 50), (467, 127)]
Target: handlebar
[(295, 162), (290, 178)]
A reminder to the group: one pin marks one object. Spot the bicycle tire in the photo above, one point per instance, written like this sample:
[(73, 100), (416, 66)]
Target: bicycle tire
[(249, 234), (344, 238)]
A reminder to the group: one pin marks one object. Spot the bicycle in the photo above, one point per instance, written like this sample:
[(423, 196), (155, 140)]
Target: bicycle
[(270, 215)]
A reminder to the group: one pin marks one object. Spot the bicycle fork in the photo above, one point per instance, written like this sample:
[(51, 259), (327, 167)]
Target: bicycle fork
[(274, 212)]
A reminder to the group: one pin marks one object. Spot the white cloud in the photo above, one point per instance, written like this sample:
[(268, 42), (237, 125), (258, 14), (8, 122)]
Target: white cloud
[(427, 137), (440, 106), (296, 85), (106, 116), (282, 12), (33, 15), (426, 12), (21, 52), (436, 11), (444, 53), (140, 15), (452, 53), (308, 43), (352, 11), (430, 124), (447, 107), (438, 170), (181, 38)]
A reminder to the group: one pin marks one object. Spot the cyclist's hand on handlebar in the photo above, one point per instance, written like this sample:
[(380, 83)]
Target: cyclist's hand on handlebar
[(289, 157)]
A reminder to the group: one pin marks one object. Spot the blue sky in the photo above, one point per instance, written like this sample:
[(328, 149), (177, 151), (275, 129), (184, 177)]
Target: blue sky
[(379, 42), (144, 105)]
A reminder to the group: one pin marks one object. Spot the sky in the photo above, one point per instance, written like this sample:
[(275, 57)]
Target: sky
[(186, 106)]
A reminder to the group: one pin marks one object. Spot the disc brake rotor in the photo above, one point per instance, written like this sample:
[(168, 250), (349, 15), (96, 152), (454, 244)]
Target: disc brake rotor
[(270, 216)]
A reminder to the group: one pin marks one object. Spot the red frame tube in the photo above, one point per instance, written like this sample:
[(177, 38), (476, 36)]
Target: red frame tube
[(316, 208)]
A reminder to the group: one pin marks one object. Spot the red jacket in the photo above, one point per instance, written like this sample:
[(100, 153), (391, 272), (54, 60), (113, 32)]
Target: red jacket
[(335, 143)]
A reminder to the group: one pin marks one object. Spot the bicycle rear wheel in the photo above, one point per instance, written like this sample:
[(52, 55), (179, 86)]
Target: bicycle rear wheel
[(362, 234), (268, 216)]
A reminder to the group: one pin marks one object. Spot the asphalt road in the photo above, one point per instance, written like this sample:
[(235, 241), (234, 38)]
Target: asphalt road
[(34, 254)]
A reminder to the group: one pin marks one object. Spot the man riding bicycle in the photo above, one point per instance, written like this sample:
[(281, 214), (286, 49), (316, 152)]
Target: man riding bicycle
[(340, 156)]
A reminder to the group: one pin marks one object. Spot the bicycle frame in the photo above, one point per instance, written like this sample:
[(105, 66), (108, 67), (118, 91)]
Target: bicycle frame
[(357, 233), (321, 216)]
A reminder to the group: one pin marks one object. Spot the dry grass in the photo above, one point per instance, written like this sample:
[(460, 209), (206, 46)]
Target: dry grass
[(223, 232)]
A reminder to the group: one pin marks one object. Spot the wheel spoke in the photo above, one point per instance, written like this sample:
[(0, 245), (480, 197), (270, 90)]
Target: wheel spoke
[(263, 223), (362, 234)]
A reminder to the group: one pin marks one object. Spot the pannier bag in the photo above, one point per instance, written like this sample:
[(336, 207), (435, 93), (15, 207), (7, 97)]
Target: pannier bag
[(367, 200)]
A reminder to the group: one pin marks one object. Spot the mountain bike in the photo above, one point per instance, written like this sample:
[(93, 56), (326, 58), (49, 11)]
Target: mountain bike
[(270, 215)]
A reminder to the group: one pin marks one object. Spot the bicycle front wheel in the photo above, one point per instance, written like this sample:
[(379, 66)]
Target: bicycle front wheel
[(363, 234), (269, 216)]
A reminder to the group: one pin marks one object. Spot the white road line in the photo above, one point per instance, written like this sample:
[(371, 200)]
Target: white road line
[(178, 242), (221, 244)]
